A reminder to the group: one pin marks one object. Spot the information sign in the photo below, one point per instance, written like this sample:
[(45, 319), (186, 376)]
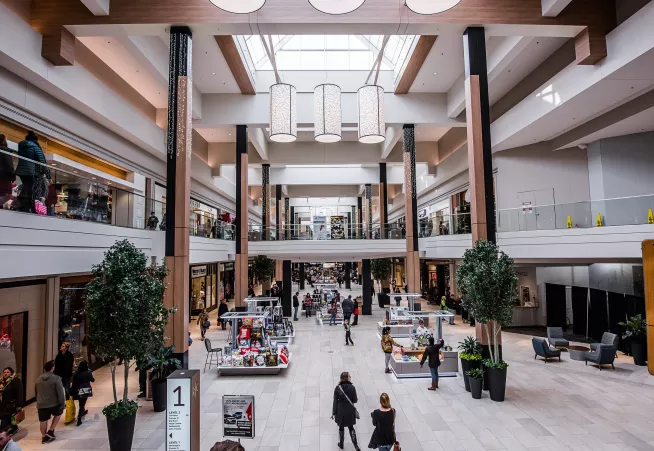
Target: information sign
[(238, 416), (183, 411)]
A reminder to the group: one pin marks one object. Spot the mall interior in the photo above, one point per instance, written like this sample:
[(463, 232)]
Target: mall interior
[(197, 132)]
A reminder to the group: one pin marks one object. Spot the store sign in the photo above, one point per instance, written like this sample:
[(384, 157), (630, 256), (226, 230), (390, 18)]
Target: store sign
[(198, 271), (238, 416), (178, 415), (526, 207)]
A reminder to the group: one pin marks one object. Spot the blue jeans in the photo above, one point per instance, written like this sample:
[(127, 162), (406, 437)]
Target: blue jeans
[(386, 447), (434, 374)]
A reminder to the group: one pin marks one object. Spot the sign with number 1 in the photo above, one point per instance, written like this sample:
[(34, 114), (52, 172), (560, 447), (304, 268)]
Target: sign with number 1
[(183, 411)]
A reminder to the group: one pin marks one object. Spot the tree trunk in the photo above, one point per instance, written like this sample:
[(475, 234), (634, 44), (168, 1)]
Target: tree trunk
[(490, 343), (126, 364), (113, 379)]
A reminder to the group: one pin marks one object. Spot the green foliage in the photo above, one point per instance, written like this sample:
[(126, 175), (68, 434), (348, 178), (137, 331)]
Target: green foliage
[(488, 284), (636, 328), (474, 357), (120, 409), (470, 346), (126, 313), (498, 365), (161, 362), (263, 268), (475, 373), (381, 268), (443, 303)]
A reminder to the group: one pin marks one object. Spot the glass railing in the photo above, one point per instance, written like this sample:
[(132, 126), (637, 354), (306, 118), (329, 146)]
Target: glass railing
[(595, 213), (456, 224), (325, 232), (208, 226)]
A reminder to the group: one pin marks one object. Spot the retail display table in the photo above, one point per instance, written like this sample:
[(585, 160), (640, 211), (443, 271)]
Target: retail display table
[(409, 365), (253, 370)]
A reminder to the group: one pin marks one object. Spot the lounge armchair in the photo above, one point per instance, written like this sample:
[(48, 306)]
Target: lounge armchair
[(555, 337), (607, 339), (541, 348), (603, 355)]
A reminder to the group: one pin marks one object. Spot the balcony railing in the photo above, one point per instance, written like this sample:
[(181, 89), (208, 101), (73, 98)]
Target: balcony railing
[(207, 226), (325, 232), (456, 224)]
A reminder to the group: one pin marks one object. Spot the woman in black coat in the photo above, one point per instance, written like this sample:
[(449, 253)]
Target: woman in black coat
[(343, 410), (433, 352), (12, 396), (81, 388)]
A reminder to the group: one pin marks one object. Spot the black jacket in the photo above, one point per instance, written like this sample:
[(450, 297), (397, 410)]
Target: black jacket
[(12, 397), (343, 411), (7, 171), (432, 353), (296, 301), (222, 309), (384, 423), (64, 364), (81, 380), (348, 306)]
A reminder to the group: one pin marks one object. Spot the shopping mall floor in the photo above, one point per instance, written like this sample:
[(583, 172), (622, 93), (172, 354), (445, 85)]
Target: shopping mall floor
[(553, 406)]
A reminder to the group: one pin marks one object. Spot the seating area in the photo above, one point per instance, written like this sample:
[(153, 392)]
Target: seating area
[(555, 337), (600, 354), (542, 349)]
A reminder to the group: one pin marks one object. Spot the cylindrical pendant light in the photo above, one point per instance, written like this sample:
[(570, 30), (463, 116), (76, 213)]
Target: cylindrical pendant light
[(239, 6), (336, 6), (370, 103), (327, 113), (431, 6), (283, 113)]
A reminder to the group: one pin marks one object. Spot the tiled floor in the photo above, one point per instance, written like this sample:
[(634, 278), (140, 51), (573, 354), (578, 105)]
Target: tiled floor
[(553, 406)]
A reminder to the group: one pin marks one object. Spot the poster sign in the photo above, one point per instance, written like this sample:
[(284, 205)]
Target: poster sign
[(526, 207), (238, 416), (198, 271), (178, 415), (338, 229), (320, 228)]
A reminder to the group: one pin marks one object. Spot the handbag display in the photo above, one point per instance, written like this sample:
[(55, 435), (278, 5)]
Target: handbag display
[(356, 412)]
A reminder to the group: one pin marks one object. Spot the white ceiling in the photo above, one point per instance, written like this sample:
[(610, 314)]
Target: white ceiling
[(207, 61), (226, 134), (443, 65), (638, 123)]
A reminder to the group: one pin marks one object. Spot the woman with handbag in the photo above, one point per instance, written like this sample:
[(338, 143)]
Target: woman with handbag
[(343, 410), (383, 419), (203, 321), (81, 388), (11, 403)]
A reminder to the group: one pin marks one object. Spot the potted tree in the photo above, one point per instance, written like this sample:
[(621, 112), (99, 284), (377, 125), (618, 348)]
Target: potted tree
[(381, 268), (263, 269), (161, 363), (124, 306), (488, 284), (636, 333), (476, 377), (470, 354)]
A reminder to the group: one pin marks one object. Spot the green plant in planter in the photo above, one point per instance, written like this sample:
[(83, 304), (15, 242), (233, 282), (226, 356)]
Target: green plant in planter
[(263, 268), (636, 328), (475, 373), (381, 268), (162, 362), (126, 314), (469, 349)]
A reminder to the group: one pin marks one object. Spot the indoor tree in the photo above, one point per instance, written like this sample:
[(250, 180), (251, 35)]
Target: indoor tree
[(263, 268), (381, 268)]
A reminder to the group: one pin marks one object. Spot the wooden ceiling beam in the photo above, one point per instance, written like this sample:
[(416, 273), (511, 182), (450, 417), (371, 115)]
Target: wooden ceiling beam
[(236, 64), (417, 59), (590, 46), (58, 47)]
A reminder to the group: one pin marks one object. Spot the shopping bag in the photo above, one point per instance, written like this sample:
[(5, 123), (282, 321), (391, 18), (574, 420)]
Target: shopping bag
[(71, 412), (40, 208)]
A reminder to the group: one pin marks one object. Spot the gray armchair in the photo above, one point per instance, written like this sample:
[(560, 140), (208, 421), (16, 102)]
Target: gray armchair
[(602, 355), (541, 348), (608, 339), (555, 337)]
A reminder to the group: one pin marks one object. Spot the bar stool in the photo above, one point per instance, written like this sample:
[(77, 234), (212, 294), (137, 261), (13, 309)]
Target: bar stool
[(210, 353)]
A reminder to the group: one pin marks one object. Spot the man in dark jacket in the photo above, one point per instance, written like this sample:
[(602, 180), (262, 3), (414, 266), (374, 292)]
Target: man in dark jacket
[(296, 305), (222, 309), (50, 401), (12, 396), (348, 308), (27, 170), (433, 352), (64, 363)]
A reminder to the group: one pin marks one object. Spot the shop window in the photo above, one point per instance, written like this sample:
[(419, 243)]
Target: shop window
[(13, 344)]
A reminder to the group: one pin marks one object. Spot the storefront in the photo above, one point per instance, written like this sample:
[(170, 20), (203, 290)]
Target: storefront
[(226, 280), (81, 199), (204, 289), (203, 218)]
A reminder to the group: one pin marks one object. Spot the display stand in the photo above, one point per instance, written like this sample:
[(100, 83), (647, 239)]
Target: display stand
[(323, 318), (253, 303), (326, 286), (410, 297)]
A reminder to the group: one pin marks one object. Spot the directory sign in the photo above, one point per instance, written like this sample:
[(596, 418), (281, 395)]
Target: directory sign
[(238, 416), (183, 411)]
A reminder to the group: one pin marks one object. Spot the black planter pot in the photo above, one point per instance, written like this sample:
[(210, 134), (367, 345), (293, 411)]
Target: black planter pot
[(496, 383), (639, 352), (467, 365), (159, 395), (121, 432), (475, 387)]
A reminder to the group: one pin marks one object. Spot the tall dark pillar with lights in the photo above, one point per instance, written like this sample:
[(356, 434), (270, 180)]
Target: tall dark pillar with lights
[(241, 223), (293, 232), (366, 287), (287, 287), (412, 260), (383, 201), (368, 211), (178, 187), (279, 212), (348, 275), (359, 218), (265, 202), (287, 218), (301, 276)]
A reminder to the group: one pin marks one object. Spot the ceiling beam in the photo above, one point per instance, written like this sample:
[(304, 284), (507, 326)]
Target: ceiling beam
[(552, 8), (97, 7), (236, 64), (393, 135), (257, 137), (58, 47), (590, 46), (416, 60)]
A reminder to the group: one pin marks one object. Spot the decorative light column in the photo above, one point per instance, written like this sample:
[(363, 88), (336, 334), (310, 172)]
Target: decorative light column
[(383, 200), (287, 218), (368, 211), (265, 202), (359, 216), (412, 266), (178, 187), (241, 223), (279, 210)]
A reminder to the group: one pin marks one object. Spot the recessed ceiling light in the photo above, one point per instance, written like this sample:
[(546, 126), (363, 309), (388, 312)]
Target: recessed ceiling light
[(53, 164), (230, 134), (93, 178), (435, 73), (213, 73)]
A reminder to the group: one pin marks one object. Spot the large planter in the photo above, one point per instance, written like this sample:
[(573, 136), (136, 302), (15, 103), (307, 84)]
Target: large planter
[(475, 387), (159, 395), (121, 432), (639, 352), (467, 365), (496, 383)]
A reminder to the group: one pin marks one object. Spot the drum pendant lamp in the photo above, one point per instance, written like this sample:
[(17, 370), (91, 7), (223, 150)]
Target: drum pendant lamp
[(431, 6), (283, 113), (336, 6), (370, 106), (327, 113), (239, 6)]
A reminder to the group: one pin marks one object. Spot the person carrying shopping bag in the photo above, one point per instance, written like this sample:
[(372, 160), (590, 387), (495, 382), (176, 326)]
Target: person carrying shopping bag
[(203, 321), (343, 410), (81, 389), (383, 419), (387, 344)]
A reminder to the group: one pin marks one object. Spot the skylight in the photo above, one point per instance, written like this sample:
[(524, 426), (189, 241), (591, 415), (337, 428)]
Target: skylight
[(326, 52)]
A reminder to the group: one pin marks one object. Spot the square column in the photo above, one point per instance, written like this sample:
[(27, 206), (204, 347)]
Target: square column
[(279, 209), (368, 211), (287, 285), (265, 202), (412, 258), (366, 287), (302, 276), (241, 223), (383, 200)]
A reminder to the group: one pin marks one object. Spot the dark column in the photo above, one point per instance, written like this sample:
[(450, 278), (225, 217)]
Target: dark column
[(479, 135), (287, 288), (178, 187), (293, 227), (279, 209), (349, 225), (287, 218), (412, 267), (302, 276), (359, 217), (368, 211), (348, 273), (265, 202), (424, 276), (366, 287), (383, 200), (241, 223), (440, 281)]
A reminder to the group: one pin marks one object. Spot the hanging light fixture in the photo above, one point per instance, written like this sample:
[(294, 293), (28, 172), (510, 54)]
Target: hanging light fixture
[(327, 113), (239, 6), (370, 104), (431, 6), (336, 6), (283, 113)]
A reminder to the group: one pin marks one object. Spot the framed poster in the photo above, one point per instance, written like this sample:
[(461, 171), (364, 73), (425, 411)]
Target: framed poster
[(338, 229), (320, 228), (238, 416), (524, 295)]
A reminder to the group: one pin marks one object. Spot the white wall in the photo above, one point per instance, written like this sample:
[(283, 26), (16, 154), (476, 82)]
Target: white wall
[(617, 277)]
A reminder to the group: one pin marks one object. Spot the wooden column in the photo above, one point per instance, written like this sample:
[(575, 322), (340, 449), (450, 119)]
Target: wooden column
[(648, 275), (265, 202), (178, 187), (241, 257), (412, 259), (383, 200)]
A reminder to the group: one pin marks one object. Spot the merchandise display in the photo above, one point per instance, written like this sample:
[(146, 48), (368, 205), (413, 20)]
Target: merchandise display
[(323, 316)]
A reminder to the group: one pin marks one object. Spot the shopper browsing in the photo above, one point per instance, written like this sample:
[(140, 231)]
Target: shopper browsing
[(50, 401), (387, 344), (343, 410), (348, 333), (355, 312), (383, 419), (307, 305), (332, 312), (81, 389), (203, 321), (398, 299), (296, 305), (64, 366), (433, 353), (421, 330)]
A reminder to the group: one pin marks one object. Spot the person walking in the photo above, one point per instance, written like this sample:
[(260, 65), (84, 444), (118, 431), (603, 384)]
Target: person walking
[(433, 353), (332, 313), (12, 400), (355, 312), (348, 308), (81, 389), (28, 171), (222, 309), (50, 401), (203, 321), (383, 419), (387, 344), (348, 333), (7, 440), (343, 410), (7, 171), (64, 363), (308, 301), (296, 305)]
